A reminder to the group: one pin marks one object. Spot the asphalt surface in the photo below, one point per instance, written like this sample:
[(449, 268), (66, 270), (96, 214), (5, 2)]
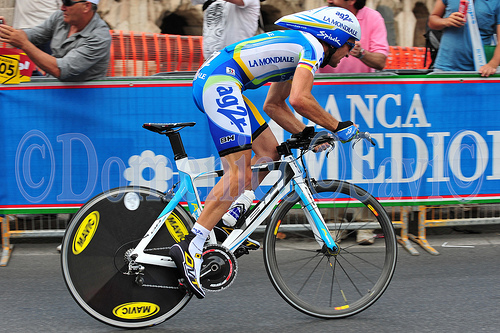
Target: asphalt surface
[(456, 291)]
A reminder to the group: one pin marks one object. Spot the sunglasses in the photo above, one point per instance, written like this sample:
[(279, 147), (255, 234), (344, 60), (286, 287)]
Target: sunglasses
[(351, 45), (69, 3)]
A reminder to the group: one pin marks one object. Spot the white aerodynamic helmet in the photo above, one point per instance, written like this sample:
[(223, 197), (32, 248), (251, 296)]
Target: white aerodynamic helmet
[(334, 25)]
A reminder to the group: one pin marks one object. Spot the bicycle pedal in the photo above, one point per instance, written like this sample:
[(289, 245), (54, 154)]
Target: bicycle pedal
[(183, 286), (241, 251)]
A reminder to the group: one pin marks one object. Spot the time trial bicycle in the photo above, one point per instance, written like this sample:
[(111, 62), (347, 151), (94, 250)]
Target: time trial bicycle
[(115, 251)]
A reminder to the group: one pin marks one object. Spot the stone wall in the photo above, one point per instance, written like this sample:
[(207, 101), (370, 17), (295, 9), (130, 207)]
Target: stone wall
[(405, 18)]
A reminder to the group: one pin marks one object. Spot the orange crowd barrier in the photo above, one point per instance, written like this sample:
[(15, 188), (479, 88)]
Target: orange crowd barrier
[(144, 54), (407, 58)]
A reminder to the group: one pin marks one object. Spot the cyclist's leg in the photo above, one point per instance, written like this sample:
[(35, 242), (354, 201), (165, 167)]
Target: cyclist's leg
[(264, 142), (221, 100), (237, 178), (232, 121), (187, 254), (264, 146)]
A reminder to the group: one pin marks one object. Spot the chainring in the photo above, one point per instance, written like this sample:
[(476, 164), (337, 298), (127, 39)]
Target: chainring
[(219, 268)]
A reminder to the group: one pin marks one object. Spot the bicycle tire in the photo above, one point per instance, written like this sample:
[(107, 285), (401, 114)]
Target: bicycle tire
[(320, 283), (93, 252)]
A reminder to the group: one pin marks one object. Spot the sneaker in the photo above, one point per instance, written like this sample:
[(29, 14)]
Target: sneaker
[(365, 237), (222, 231), (339, 235), (188, 259)]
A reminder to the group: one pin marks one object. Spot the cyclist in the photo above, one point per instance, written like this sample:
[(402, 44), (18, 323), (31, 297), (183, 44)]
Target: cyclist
[(288, 59)]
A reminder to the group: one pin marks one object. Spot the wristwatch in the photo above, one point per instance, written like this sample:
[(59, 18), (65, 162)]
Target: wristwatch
[(361, 54)]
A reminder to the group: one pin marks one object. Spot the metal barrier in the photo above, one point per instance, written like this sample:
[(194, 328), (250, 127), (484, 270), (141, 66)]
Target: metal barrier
[(29, 226), (452, 216), (6, 246)]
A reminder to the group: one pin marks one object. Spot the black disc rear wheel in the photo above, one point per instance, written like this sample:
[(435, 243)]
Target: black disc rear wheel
[(95, 258)]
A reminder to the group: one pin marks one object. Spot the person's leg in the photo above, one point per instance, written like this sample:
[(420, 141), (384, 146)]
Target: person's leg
[(237, 177), (229, 122), (264, 147), (264, 142), (187, 254)]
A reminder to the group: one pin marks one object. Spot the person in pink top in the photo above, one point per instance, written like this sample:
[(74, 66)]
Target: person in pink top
[(370, 53)]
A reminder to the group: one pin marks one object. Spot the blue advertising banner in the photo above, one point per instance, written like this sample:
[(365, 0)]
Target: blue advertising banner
[(438, 138)]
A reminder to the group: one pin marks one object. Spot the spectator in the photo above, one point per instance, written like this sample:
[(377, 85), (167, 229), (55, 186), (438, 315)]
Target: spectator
[(30, 13), (228, 21), (80, 42), (455, 48), (370, 53)]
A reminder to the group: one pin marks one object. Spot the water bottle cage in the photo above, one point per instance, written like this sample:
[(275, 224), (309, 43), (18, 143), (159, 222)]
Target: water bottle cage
[(241, 219)]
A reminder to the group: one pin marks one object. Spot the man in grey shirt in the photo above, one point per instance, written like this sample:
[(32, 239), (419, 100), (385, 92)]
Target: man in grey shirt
[(80, 42)]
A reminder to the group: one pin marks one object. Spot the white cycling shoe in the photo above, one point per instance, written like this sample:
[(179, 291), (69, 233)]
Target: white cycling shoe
[(188, 259)]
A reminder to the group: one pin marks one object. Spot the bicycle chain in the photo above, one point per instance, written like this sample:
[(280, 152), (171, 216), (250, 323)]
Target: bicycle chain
[(140, 274), (158, 286), (158, 249)]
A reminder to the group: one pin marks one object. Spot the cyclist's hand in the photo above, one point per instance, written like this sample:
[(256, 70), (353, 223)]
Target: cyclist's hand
[(321, 147), (346, 131), (322, 141)]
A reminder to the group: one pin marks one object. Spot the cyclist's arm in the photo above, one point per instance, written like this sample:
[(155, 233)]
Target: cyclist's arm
[(302, 100), (276, 107)]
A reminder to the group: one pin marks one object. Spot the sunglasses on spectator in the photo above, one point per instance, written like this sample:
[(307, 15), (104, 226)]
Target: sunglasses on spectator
[(69, 3), (351, 45)]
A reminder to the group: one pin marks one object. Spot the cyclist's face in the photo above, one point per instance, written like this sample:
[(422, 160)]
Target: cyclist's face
[(341, 53)]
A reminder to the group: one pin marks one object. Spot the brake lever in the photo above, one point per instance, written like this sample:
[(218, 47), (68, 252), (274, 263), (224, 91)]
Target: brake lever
[(361, 136), (369, 138), (332, 146)]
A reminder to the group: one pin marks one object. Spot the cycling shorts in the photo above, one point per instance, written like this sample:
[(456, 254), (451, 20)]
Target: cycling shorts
[(233, 120)]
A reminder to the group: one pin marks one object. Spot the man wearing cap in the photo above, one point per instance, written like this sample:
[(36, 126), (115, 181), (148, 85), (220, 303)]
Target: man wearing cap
[(80, 42)]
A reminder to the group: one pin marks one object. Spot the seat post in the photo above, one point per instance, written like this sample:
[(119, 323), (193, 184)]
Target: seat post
[(177, 145)]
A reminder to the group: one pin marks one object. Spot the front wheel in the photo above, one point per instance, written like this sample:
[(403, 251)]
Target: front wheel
[(320, 282), (95, 258)]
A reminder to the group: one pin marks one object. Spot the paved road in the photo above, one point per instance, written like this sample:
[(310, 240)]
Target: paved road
[(457, 291)]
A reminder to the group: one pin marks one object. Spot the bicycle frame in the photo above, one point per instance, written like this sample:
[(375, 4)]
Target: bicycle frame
[(292, 177)]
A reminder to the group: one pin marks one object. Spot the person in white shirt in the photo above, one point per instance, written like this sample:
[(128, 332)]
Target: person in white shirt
[(227, 21), (30, 13)]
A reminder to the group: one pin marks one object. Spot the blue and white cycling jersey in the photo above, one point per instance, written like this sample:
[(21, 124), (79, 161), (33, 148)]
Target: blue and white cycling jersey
[(249, 64)]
